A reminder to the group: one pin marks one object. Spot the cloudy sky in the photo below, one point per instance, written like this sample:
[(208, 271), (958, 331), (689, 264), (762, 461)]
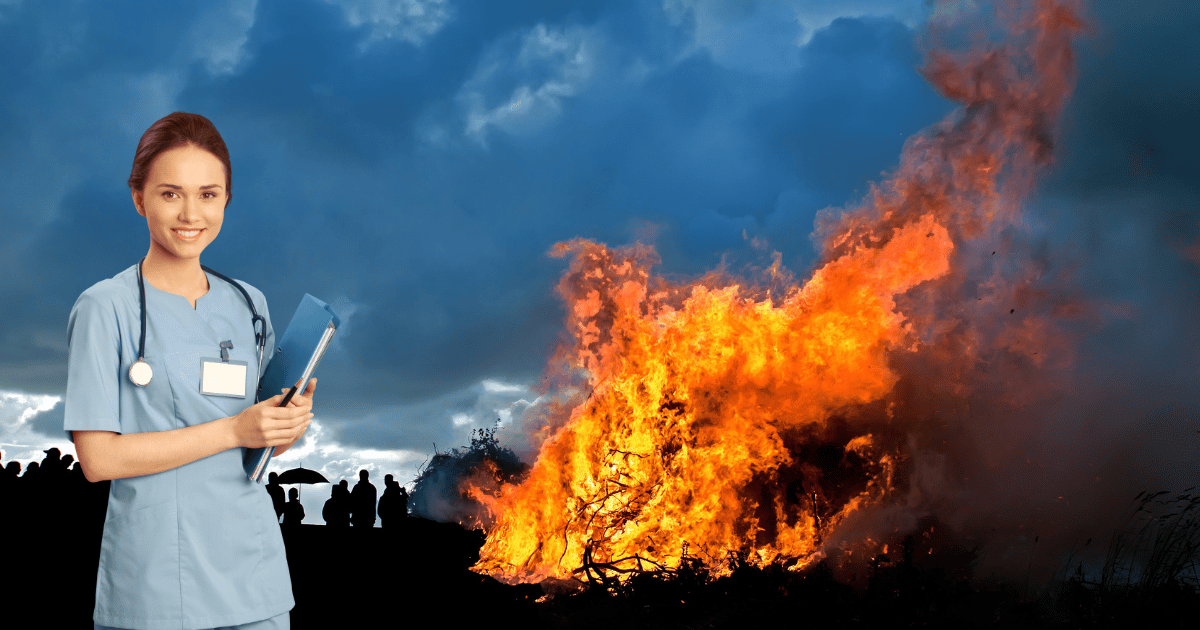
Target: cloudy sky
[(430, 152)]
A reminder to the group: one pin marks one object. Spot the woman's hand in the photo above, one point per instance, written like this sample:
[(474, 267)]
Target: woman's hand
[(299, 399), (267, 424)]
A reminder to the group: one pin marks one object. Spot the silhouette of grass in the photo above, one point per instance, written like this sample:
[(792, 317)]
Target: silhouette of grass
[(1149, 573)]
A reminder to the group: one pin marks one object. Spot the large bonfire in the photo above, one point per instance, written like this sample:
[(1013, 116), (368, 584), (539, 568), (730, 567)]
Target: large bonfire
[(763, 418)]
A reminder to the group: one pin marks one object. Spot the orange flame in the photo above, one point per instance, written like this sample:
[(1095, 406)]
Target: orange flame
[(717, 418)]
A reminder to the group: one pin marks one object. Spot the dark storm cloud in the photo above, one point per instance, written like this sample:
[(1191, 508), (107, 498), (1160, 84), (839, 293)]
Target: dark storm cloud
[(37, 298), (431, 192), (1121, 212), (446, 420), (432, 177), (49, 422)]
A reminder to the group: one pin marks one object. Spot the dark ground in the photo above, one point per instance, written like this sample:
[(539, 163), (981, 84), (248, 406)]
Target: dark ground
[(419, 571)]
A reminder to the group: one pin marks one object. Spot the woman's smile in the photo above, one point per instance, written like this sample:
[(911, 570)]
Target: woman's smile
[(187, 236)]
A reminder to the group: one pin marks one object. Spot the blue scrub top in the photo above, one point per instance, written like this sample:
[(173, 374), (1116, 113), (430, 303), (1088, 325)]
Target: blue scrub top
[(198, 546)]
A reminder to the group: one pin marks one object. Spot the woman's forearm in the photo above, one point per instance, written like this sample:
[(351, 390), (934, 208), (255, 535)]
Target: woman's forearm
[(107, 455)]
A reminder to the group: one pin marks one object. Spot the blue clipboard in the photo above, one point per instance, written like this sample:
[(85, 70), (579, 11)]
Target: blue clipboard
[(295, 358)]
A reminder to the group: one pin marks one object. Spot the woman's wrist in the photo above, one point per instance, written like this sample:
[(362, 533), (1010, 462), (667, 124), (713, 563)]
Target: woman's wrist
[(228, 432)]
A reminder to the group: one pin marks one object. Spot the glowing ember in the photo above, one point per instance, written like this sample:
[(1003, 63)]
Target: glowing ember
[(720, 417)]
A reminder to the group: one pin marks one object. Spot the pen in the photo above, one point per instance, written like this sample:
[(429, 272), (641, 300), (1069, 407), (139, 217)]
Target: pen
[(288, 398)]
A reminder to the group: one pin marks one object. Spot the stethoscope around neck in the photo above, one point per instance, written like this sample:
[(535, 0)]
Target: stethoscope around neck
[(140, 372)]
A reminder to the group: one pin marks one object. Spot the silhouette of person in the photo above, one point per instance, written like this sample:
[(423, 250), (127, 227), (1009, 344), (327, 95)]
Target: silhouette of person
[(52, 467), (14, 492), (293, 512), (10, 493), (32, 493), (66, 480), (387, 502), (9, 474), (67, 486), (276, 492), (337, 509), (362, 500), (402, 502), (345, 505), (77, 476)]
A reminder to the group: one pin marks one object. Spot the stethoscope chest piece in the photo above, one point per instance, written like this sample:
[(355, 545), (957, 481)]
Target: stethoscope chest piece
[(140, 373)]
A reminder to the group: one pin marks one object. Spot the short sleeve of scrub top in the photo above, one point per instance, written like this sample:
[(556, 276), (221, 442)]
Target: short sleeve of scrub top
[(197, 546)]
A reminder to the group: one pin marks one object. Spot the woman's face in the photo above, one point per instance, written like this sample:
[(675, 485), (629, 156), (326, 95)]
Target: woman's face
[(183, 201)]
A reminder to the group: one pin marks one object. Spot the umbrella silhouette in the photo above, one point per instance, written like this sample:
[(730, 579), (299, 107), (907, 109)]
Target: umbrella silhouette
[(301, 475)]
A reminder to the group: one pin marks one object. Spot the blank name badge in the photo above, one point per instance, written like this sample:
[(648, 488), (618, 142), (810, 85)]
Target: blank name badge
[(223, 378)]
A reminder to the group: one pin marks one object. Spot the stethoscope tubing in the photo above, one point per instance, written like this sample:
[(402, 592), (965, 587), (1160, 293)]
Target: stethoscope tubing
[(260, 338)]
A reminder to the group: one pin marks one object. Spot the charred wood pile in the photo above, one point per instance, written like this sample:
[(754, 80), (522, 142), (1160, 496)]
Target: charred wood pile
[(376, 576)]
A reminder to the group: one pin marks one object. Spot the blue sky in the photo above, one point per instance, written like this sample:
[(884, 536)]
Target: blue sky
[(432, 151)]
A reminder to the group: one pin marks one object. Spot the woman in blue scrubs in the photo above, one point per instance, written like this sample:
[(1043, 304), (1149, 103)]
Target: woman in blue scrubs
[(189, 541)]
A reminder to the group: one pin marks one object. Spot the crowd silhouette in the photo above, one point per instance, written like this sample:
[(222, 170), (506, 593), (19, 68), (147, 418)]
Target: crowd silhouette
[(346, 507), (63, 476), (50, 491), (52, 521)]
